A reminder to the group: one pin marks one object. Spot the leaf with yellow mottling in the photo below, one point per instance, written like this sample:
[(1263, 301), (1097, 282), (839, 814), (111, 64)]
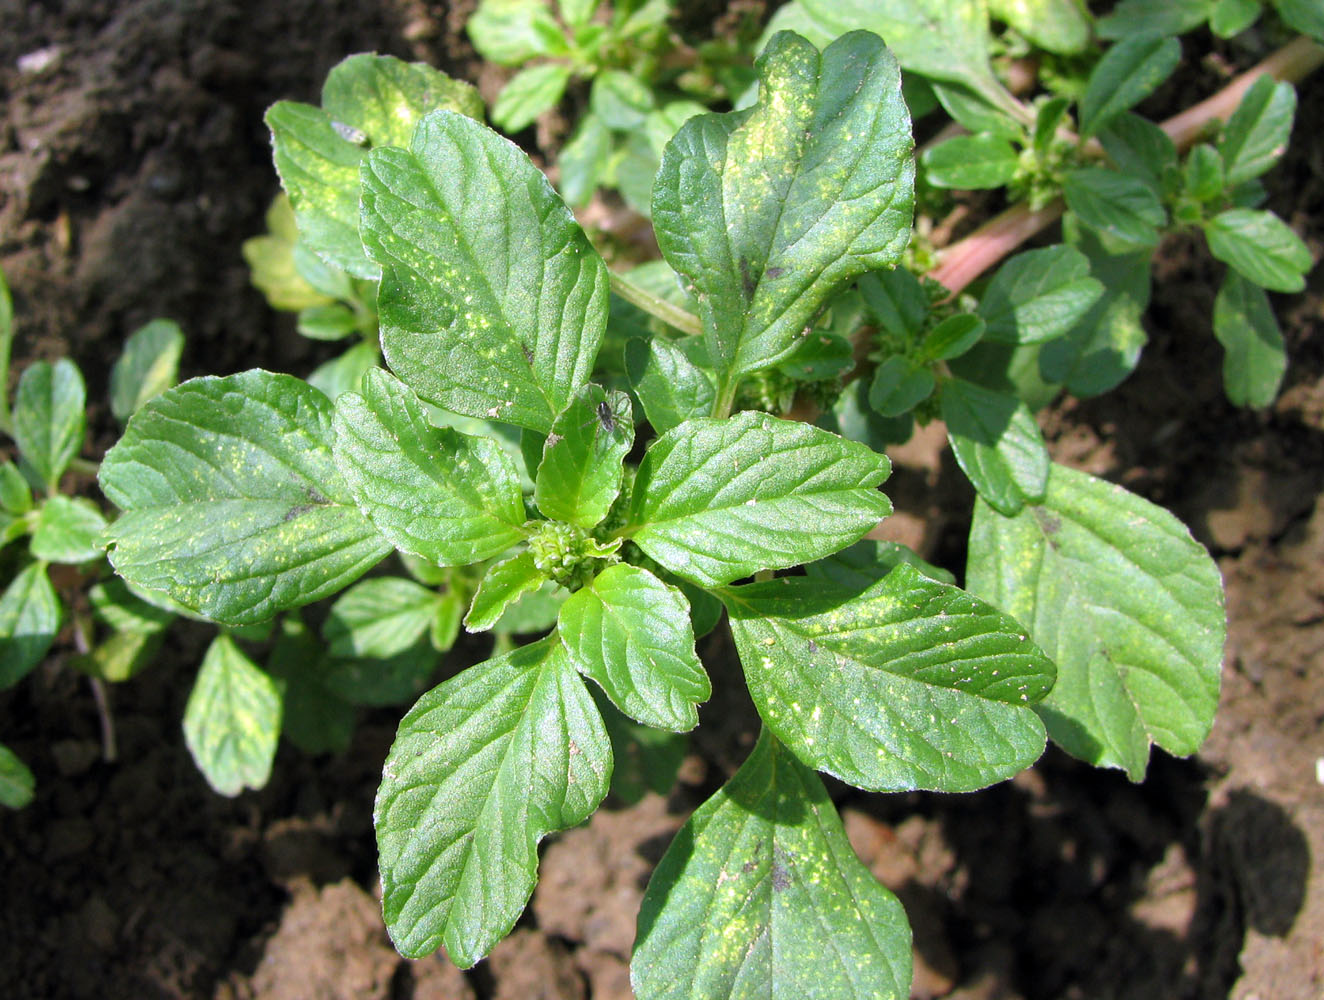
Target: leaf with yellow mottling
[(760, 897)]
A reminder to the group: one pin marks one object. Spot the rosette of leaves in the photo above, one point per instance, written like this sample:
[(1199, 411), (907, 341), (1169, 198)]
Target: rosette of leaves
[(648, 511)]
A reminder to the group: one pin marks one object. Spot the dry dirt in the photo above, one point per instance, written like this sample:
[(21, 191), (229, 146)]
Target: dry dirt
[(133, 162)]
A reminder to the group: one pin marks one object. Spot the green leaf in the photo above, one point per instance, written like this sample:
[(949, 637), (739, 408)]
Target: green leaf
[(1123, 208), (148, 366), (997, 444), (896, 300), (973, 113), (1260, 247), (768, 212), (444, 628), (376, 683), (1253, 356), (528, 94), (378, 618), (940, 39), (1202, 175), (1140, 149), (760, 895), (899, 385), (313, 719), (820, 356), (534, 613), (583, 160), (1258, 131), (367, 101), (1232, 17), (232, 503), (620, 100), (1303, 16), (482, 768), (1170, 17), (1060, 26), (29, 619), (908, 684), (1125, 601), (504, 584), (327, 322), (971, 162), (631, 633), (580, 474), (68, 530), (1128, 73), (17, 783), (1039, 295), (492, 301), (232, 719), (345, 373), (1050, 117), (271, 262), (121, 656), (576, 12), (716, 500), (868, 561), (952, 337), (449, 497), (670, 387), (511, 32), (49, 422), (1104, 345), (124, 611), (6, 347), (15, 494)]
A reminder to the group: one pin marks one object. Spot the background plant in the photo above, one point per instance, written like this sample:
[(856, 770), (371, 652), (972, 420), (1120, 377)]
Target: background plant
[(494, 306)]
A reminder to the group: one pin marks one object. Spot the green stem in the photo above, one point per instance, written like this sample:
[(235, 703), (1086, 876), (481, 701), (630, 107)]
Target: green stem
[(675, 316), (726, 396)]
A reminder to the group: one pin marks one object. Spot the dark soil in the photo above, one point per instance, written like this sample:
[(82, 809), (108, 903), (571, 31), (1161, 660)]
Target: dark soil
[(133, 163)]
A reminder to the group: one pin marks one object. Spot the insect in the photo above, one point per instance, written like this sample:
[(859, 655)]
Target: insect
[(350, 134), (606, 419)]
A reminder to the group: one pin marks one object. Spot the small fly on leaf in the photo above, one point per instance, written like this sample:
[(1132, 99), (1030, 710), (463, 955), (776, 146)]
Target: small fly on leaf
[(350, 134)]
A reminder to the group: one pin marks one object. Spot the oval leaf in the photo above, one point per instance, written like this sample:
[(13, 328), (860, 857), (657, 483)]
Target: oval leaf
[(1254, 359), (1038, 295), (493, 302), (760, 896), (378, 618), (910, 683), (49, 421), (232, 503), (148, 367), (769, 212), (1261, 247), (482, 768), (1126, 602), (715, 500), (29, 619), (997, 444), (582, 467), (631, 633)]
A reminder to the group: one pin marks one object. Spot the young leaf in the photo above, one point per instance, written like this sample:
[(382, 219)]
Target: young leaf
[(68, 530), (312, 718), (1123, 208), (16, 781), (49, 419), (953, 337), (510, 32), (896, 300), (121, 656), (345, 372), (1258, 131), (148, 367), (1038, 295), (528, 94), (908, 684), (15, 494), (866, 562), (971, 162), (1232, 17), (1128, 604), (232, 503), (581, 469), (1059, 26), (232, 720), (997, 444), (899, 385), (770, 211), (1103, 347), (1303, 16), (1260, 247), (492, 301), (124, 611), (1128, 73), (583, 160), (504, 584), (671, 388), (1253, 357), (716, 500), (1202, 175), (449, 497), (631, 633), (1140, 149), (367, 101), (29, 619), (482, 768), (376, 683), (378, 618), (1139, 17), (760, 895), (620, 100), (327, 322)]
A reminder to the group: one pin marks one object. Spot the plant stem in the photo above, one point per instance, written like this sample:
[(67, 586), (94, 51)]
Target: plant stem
[(675, 316), (963, 262), (726, 396)]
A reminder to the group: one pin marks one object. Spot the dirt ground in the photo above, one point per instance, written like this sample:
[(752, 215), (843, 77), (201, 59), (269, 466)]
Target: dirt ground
[(133, 162)]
